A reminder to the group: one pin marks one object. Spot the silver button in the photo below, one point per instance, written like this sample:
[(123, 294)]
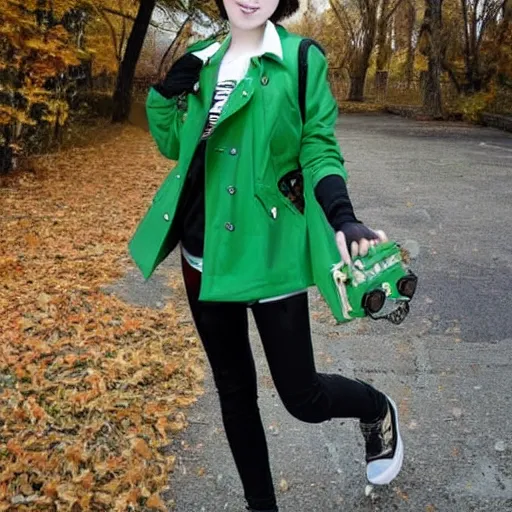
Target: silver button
[(233, 152), (178, 176), (196, 87), (264, 80), (232, 190), (273, 211), (245, 93), (166, 217), (229, 226)]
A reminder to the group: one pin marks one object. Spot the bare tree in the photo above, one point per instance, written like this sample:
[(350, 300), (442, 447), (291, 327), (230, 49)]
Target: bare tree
[(361, 25), (478, 16)]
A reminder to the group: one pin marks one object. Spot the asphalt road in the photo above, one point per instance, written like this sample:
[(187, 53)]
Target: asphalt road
[(449, 187)]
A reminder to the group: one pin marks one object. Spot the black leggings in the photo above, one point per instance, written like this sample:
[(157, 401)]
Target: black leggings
[(309, 396)]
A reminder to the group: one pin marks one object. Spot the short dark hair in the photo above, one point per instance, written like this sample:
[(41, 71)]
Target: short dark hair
[(284, 9)]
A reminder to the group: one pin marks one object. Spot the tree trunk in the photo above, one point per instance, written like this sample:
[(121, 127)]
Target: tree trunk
[(381, 84), (409, 63), (357, 88), (361, 60), (124, 86), (382, 37), (6, 153), (432, 101)]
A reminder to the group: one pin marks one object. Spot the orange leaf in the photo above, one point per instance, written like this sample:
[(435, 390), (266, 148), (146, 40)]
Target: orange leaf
[(132, 324), (140, 447), (161, 425), (86, 479), (76, 454), (35, 410), (154, 501), (14, 447), (50, 489), (170, 368)]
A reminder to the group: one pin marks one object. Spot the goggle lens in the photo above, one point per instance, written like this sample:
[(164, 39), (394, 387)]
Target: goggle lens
[(374, 301), (407, 285)]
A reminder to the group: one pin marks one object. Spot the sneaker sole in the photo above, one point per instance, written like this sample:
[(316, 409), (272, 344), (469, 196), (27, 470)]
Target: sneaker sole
[(392, 471)]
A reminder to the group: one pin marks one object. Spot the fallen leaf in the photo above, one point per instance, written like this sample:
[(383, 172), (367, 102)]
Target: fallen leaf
[(140, 446), (154, 501)]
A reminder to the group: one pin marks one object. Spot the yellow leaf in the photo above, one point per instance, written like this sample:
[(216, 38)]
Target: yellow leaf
[(67, 492), (112, 486)]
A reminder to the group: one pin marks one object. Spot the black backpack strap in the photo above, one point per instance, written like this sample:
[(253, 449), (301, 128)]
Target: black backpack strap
[(303, 73)]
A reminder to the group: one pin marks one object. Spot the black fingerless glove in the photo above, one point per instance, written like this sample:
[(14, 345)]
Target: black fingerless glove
[(354, 231), (181, 78)]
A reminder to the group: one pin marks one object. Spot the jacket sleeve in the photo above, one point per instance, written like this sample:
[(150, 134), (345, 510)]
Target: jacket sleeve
[(165, 121), (320, 155)]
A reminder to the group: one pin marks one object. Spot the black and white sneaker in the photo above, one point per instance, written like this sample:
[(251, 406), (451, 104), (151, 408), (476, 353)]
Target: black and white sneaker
[(384, 447)]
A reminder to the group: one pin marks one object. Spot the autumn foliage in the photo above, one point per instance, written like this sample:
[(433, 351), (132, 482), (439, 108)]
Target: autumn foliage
[(90, 386)]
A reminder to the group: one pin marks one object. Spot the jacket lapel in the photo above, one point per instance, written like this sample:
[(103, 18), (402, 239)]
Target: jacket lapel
[(242, 94)]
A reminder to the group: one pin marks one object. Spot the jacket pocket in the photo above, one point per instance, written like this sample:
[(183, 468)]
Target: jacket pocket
[(273, 200), (291, 186)]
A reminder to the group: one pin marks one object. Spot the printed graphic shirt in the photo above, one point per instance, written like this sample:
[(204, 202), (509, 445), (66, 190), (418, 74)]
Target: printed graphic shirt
[(220, 98)]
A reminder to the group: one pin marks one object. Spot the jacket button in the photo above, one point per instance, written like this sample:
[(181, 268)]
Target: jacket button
[(178, 176), (232, 190), (166, 217), (196, 87), (264, 80), (229, 226), (245, 93), (233, 152)]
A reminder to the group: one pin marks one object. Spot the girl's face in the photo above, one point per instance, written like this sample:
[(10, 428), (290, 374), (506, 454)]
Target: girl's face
[(249, 14)]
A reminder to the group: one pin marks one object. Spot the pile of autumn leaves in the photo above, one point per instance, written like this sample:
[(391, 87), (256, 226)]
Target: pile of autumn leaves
[(91, 388)]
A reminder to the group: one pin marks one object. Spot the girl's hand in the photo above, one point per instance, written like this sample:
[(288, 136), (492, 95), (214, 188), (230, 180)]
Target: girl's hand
[(183, 77), (359, 238)]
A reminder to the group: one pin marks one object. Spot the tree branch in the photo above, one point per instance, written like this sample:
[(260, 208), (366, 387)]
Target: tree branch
[(113, 35), (131, 18), (344, 22), (392, 10), (171, 46)]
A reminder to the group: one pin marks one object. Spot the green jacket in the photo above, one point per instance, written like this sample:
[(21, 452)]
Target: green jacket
[(257, 244)]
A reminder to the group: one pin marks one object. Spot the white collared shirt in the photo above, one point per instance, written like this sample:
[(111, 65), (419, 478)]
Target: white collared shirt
[(236, 69), (231, 71)]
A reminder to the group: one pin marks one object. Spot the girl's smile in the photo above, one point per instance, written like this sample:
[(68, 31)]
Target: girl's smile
[(248, 9)]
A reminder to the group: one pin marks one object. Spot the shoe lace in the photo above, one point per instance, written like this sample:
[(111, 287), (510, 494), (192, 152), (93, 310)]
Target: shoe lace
[(374, 436)]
